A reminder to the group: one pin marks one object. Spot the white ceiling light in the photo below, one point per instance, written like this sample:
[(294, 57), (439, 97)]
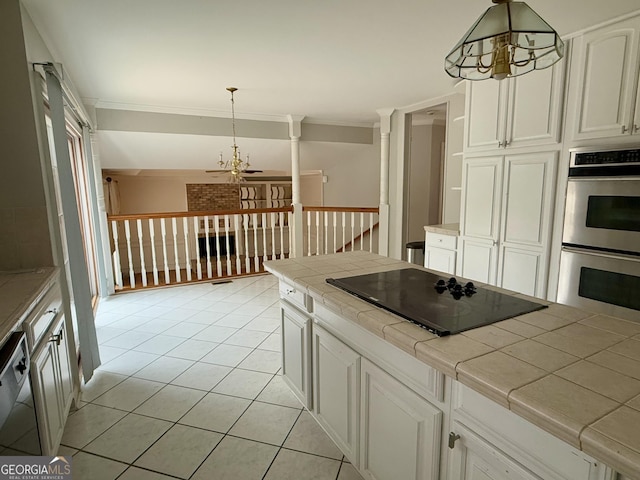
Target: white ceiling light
[(509, 39)]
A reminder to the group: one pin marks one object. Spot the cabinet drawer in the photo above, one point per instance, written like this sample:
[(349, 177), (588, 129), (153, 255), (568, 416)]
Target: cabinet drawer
[(296, 297), (39, 320), (441, 241)]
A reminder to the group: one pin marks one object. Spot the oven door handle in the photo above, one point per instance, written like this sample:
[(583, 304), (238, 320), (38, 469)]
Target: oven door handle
[(602, 254)]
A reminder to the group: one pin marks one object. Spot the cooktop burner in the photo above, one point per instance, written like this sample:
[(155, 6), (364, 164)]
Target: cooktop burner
[(442, 306)]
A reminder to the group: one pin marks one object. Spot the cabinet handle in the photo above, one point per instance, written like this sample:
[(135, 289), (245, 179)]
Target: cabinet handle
[(506, 143), (500, 144), (635, 128), (53, 310), (624, 129), (289, 290), (453, 437), (56, 338)]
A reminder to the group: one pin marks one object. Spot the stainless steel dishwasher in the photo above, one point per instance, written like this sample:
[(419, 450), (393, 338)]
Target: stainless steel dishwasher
[(18, 423)]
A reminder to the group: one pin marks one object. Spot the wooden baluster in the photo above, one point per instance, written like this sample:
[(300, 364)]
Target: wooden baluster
[(154, 262), (281, 224), (335, 238), (265, 256), (207, 246), (174, 231), (353, 236), (185, 230), (245, 224), (344, 227), (196, 235), (309, 232), (273, 235), (163, 232), (127, 234), (317, 233), (256, 262), (361, 230), (216, 224), (226, 232), (116, 254), (236, 240)]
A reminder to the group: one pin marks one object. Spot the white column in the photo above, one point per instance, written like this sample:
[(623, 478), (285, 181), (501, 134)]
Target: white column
[(385, 131), (295, 132)]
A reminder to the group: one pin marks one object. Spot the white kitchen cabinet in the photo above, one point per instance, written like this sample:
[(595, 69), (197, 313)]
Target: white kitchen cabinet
[(506, 220), (440, 252), (604, 82), (400, 432), (336, 386), (296, 352), (52, 386), (515, 112)]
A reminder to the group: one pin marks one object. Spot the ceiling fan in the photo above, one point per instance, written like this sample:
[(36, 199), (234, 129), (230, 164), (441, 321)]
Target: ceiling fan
[(227, 171)]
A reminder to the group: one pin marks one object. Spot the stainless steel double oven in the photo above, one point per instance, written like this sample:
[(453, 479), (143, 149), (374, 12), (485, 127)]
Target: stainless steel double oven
[(600, 260)]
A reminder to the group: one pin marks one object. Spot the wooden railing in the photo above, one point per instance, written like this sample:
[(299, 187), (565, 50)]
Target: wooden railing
[(150, 250), (337, 229), (178, 247)]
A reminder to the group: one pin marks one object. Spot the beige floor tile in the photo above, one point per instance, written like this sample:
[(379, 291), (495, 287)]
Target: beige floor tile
[(87, 423), (262, 361), (243, 383), (628, 348), (192, 349), (170, 403), (263, 324), (601, 380), (493, 336), (544, 320), (229, 355), (348, 472), (279, 393), (216, 412), (109, 353), (234, 320), (160, 344), (496, 374), (290, 465), (272, 343), (180, 451), (519, 328), (551, 403), (264, 422), (619, 363), (86, 466), (216, 334), (235, 459), (615, 325), (634, 403), (101, 382), (128, 438), (135, 473), (206, 317), (164, 369), (129, 339), (540, 355), (202, 376), (247, 338), (129, 394), (64, 451), (129, 363), (307, 436), (185, 329)]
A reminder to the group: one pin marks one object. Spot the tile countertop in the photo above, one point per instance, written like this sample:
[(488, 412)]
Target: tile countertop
[(19, 293), (452, 229), (573, 373)]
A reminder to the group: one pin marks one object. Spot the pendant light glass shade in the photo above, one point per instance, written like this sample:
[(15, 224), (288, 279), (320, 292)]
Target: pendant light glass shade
[(509, 39)]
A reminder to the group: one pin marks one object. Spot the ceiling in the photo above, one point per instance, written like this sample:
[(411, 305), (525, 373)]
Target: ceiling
[(331, 61)]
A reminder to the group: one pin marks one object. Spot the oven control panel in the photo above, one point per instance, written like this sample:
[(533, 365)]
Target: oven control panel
[(605, 163)]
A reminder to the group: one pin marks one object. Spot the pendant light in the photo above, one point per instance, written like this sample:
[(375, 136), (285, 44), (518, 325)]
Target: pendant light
[(508, 40)]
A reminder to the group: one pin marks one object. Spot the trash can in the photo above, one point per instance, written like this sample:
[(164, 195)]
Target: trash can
[(415, 253)]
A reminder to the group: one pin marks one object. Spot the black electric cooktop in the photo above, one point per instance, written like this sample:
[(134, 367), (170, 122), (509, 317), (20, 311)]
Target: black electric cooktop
[(439, 304)]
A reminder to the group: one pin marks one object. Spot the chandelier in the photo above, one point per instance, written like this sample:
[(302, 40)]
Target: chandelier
[(235, 166), (508, 40)]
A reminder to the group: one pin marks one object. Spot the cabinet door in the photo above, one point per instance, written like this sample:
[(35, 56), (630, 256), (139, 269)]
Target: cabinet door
[(482, 184), (296, 338), (64, 367), (440, 259), (486, 104), (534, 107), (522, 271), (473, 458), (46, 389), (479, 260), (400, 434), (606, 76), (336, 374)]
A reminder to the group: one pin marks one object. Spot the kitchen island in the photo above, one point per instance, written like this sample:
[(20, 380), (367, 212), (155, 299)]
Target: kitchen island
[(561, 371)]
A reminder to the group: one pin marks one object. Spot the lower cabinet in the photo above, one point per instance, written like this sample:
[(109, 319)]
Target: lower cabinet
[(400, 431), (336, 373), (52, 386), (296, 361)]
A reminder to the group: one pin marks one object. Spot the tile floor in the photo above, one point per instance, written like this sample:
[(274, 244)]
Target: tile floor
[(190, 388)]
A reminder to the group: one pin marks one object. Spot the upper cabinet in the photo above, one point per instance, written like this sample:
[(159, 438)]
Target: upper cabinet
[(604, 83), (515, 112)]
